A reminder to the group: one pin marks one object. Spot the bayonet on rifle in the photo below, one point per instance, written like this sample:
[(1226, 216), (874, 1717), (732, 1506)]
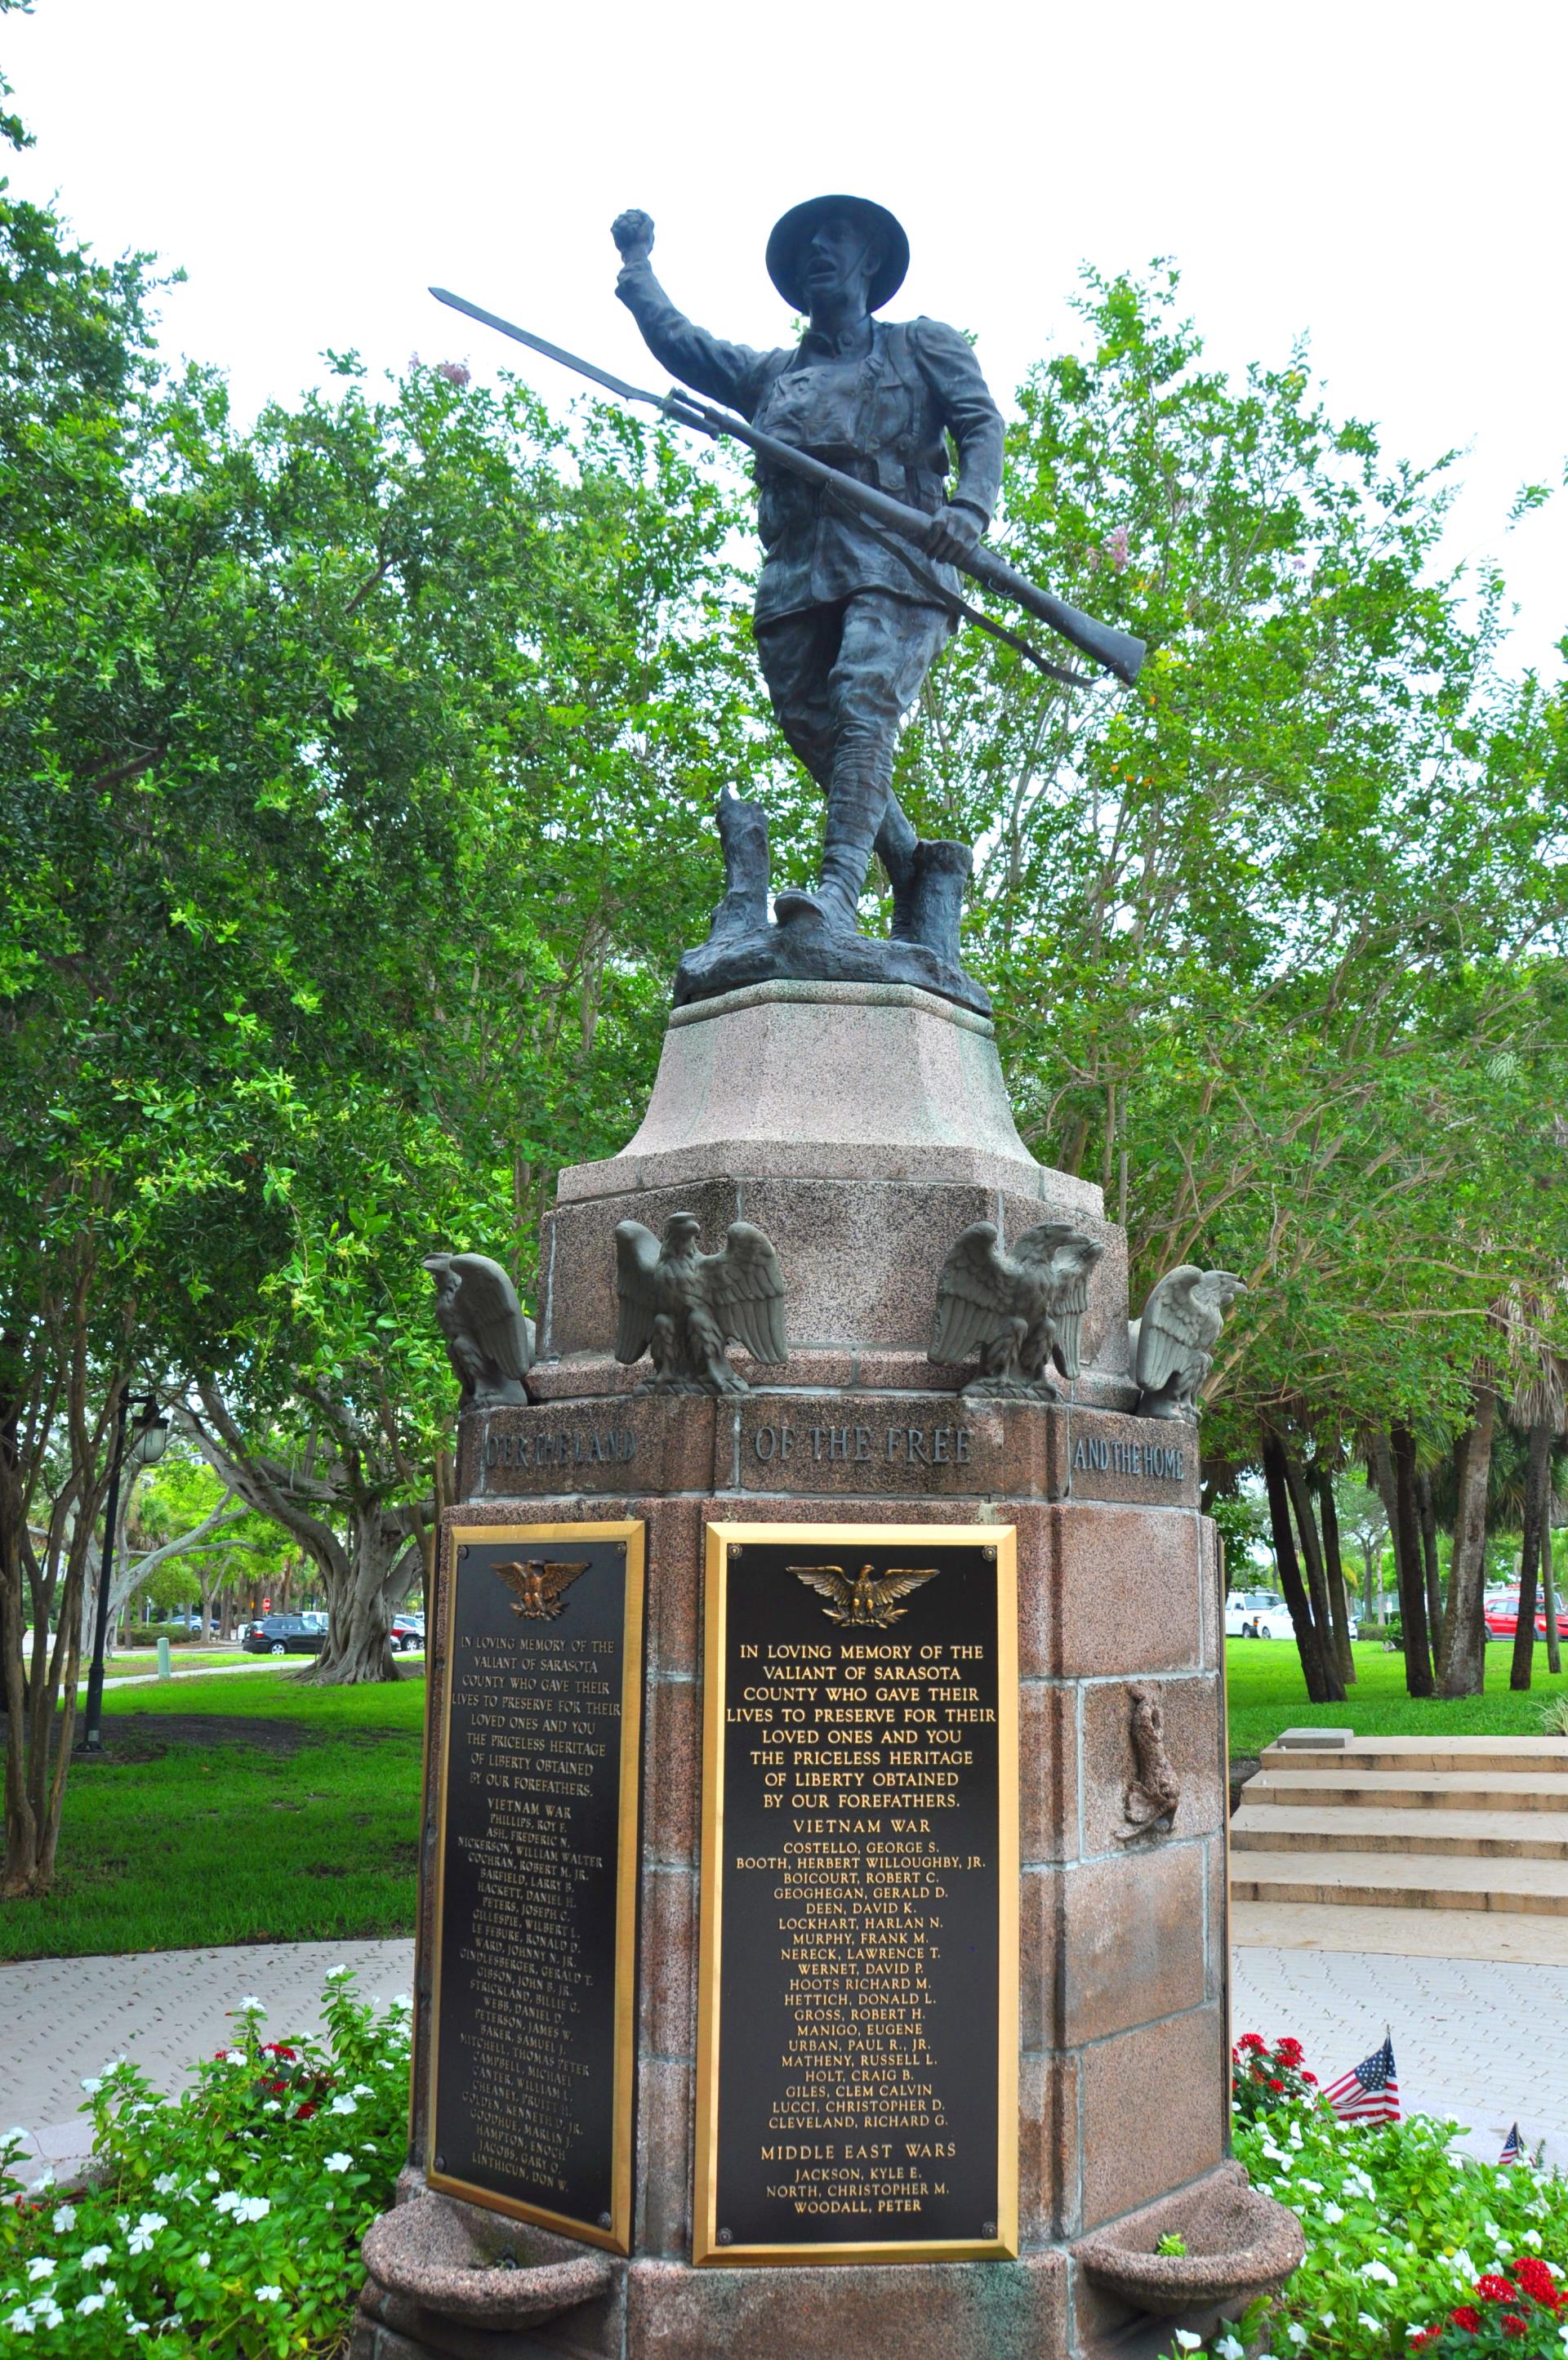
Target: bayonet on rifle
[(1118, 652)]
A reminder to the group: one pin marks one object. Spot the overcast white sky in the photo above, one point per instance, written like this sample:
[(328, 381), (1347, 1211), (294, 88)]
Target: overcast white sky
[(1391, 179)]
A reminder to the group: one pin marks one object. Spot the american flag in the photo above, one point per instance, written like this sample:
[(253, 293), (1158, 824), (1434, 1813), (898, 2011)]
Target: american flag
[(1514, 2149), (1369, 2092)]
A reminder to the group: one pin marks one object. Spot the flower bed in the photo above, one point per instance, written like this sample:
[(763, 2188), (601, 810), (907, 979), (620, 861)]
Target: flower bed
[(230, 2219), (1410, 2247)]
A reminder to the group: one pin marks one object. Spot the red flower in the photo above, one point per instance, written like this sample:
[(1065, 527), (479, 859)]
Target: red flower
[(1276, 2085), (1513, 2324), (1532, 2273), (1467, 2317), (303, 2113), (1251, 2040), (1311, 2078), (1492, 2288), (1289, 2051)]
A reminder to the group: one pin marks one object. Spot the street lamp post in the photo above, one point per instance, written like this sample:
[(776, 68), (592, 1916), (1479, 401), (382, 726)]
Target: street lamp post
[(151, 1437)]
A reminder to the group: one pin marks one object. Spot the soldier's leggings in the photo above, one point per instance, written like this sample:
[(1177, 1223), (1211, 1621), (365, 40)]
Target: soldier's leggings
[(841, 677)]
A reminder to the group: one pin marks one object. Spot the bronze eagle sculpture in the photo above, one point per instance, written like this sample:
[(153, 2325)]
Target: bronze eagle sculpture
[(1016, 1310), (682, 1306), (1171, 1342), (868, 1600), (540, 1586), (490, 1338)]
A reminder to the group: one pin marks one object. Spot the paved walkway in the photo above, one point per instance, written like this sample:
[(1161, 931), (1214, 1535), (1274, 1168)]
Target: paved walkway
[(63, 2019), (1485, 2041)]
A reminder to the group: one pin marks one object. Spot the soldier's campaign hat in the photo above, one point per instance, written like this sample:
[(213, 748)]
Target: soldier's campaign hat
[(792, 234)]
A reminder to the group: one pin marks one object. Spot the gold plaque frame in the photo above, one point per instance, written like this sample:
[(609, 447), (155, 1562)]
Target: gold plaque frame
[(617, 2238), (706, 2250)]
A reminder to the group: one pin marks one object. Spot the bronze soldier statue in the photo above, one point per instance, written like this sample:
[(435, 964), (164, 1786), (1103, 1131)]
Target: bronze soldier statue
[(846, 628)]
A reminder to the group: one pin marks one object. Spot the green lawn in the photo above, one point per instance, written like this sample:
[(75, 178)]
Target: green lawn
[(1268, 1694), (142, 1661), (296, 1822)]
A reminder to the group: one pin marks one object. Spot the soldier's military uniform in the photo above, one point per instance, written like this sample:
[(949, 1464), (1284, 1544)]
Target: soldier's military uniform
[(844, 631)]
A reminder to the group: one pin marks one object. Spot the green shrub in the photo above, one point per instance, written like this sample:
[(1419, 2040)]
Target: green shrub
[(229, 2220), (1407, 2242), (147, 1635)]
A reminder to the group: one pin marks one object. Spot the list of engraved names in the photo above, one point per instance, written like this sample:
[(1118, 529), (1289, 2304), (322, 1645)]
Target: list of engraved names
[(858, 2088), (526, 2063)]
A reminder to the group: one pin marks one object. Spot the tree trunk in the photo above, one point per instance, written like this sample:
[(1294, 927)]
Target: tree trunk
[(1308, 1644), (1412, 1578), (1338, 1604), (383, 1562), (1465, 1629), (1536, 1498), (1549, 1588), (1317, 1578), (1426, 1509)]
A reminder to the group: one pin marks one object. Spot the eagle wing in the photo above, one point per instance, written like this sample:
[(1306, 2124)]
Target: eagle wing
[(636, 1260), (743, 1287), (897, 1582), (488, 1309), (514, 1575), (1067, 1260), (1171, 1329), (828, 1582), (976, 1293), (560, 1577)]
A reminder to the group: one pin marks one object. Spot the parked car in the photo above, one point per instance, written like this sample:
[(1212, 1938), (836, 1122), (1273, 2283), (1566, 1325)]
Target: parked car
[(408, 1633), (315, 1618), (283, 1635), (1256, 1615), (1502, 1618)]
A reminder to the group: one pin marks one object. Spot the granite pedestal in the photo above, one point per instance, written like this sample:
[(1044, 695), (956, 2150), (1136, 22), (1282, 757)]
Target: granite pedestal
[(862, 1129)]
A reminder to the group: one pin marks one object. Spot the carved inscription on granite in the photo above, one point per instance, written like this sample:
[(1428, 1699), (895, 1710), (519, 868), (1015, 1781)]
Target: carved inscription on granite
[(535, 1932), (859, 1972)]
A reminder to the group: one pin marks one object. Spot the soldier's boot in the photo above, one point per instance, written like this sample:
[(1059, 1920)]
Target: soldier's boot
[(928, 899), (855, 809)]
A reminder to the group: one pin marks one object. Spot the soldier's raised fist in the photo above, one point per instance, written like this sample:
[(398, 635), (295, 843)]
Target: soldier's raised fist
[(633, 234)]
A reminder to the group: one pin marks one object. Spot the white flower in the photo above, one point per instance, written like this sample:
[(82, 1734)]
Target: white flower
[(252, 2208), (1188, 2340), (108, 2286), (227, 2201), (1380, 2271), (204, 2261), (93, 2084), (1464, 2268), (146, 2230), (1229, 2349), (1333, 2213), (40, 2267), (89, 2304), (1296, 2332), (268, 2294), (233, 2056), (44, 2179), (343, 2105), (64, 2219), (338, 2162), (16, 2135), (21, 2319), (1367, 2320), (166, 2183), (53, 2316), (136, 2327), (252, 2006), (1313, 2187), (94, 2257), (335, 1974), (271, 2106), (1327, 2318)]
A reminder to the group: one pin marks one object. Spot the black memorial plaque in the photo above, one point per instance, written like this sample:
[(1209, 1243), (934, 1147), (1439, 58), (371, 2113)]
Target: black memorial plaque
[(536, 1893), (859, 1976)]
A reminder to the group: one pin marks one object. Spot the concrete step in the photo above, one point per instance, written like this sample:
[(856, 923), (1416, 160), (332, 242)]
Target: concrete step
[(1522, 1756), (1393, 1880), (1473, 1835), (1407, 1790)]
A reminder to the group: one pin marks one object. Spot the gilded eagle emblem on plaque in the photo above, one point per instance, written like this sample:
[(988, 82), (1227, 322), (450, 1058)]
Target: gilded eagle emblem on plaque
[(540, 1586), (867, 1599)]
